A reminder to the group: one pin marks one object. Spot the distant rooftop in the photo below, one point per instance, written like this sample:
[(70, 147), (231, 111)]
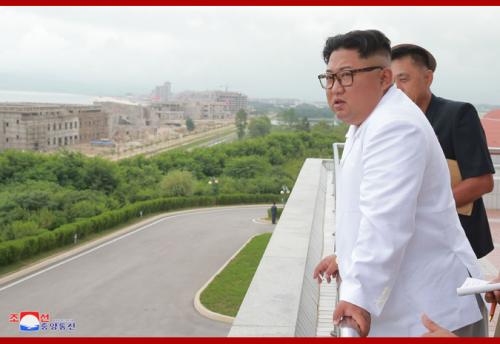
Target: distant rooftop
[(491, 125)]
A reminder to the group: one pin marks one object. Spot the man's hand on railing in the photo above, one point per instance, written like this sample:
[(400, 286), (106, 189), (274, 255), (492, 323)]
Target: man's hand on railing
[(493, 296), (358, 314), (327, 268)]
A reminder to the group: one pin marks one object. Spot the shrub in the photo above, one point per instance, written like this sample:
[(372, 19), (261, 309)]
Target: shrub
[(247, 167), (177, 183)]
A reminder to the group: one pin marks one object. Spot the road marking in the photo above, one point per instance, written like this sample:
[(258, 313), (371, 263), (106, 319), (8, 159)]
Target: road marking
[(261, 221), (23, 279)]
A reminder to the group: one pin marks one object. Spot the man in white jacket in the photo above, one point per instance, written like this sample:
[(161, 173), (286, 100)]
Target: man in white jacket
[(400, 249)]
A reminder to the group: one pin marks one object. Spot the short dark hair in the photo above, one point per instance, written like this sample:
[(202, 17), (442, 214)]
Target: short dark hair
[(418, 54), (366, 42)]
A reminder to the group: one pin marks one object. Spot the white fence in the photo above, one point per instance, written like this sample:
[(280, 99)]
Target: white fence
[(492, 200)]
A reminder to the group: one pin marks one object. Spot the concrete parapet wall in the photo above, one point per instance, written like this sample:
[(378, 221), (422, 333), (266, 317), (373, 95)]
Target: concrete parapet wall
[(492, 199), (282, 299), (308, 312)]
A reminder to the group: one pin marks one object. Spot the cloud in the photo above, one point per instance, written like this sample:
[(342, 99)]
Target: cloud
[(264, 52)]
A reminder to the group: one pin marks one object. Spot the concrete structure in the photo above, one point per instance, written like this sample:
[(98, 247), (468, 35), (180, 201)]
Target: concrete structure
[(123, 113), (166, 113), (281, 102), (232, 101), (492, 200), (283, 299), (162, 93), (206, 110), (176, 112), (44, 127), (37, 126), (94, 123), (129, 121)]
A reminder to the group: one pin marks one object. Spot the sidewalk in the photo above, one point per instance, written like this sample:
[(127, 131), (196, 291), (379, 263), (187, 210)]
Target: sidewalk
[(491, 262), (158, 147)]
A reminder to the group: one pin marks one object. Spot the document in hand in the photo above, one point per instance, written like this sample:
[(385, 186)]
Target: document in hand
[(476, 286), (456, 177)]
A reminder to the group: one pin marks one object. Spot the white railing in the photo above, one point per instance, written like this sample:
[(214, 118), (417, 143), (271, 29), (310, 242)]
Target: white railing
[(347, 327), (492, 199), (494, 150)]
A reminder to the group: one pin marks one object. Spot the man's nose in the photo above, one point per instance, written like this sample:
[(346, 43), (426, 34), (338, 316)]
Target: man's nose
[(337, 88)]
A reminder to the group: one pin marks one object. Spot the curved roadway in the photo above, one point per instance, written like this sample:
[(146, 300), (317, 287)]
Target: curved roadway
[(141, 283)]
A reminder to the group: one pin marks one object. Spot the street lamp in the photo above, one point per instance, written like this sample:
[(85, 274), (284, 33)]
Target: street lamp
[(284, 193), (215, 185)]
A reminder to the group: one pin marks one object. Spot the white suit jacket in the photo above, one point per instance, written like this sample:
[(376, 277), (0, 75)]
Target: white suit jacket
[(400, 246)]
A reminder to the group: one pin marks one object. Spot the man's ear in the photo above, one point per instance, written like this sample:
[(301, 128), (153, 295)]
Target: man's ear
[(386, 79), (429, 76)]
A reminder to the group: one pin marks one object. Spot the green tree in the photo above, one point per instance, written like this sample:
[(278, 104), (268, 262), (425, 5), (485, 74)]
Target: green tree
[(289, 117), (207, 162), (303, 124), (19, 229), (177, 183), (175, 159), (247, 167), (190, 124), (33, 200), (45, 218), (322, 128), (259, 126), (241, 123), (312, 111), (100, 175), (275, 156), (140, 179), (85, 208), (68, 168), (6, 168)]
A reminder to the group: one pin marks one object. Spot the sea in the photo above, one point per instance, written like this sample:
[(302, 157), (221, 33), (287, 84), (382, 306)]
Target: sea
[(46, 97)]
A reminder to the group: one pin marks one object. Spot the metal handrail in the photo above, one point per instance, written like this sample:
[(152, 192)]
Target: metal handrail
[(336, 164), (336, 155), (494, 150), (347, 327)]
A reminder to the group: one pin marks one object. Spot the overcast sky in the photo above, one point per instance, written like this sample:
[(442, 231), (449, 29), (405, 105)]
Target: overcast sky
[(262, 52)]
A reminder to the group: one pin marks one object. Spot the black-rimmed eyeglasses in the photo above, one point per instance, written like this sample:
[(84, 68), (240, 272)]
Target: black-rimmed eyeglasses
[(344, 77)]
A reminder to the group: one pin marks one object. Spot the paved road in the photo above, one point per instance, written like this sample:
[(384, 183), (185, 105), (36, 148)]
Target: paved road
[(141, 284)]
